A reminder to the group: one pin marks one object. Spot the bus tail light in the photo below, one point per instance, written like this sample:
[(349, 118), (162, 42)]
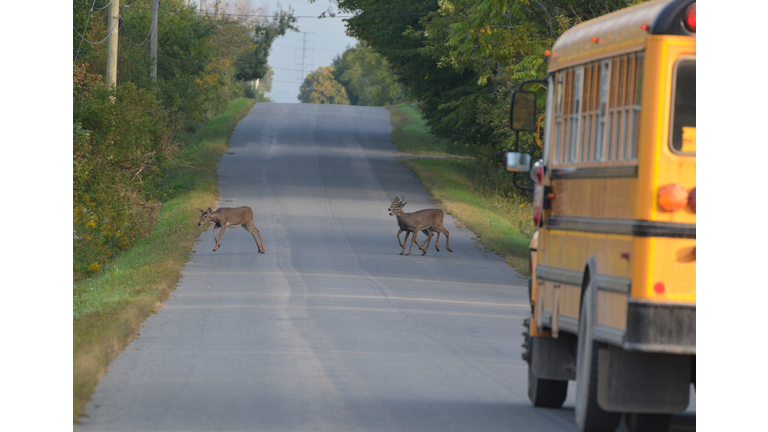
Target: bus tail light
[(689, 18), (692, 199), (672, 197), (659, 288)]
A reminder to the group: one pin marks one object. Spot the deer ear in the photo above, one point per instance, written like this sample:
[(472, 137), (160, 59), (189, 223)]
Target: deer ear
[(201, 210), (403, 205), (209, 209)]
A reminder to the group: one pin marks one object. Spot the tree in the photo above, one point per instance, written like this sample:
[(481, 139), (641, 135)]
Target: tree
[(321, 87), (461, 59), (443, 95), (253, 64), (367, 77)]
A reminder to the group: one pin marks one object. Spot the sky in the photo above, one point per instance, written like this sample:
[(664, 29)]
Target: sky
[(325, 39), (316, 44)]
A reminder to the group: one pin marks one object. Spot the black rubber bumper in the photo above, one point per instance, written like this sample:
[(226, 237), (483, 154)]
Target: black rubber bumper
[(661, 328)]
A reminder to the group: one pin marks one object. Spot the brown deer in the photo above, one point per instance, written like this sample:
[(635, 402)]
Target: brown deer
[(403, 228), (429, 219), (231, 217)]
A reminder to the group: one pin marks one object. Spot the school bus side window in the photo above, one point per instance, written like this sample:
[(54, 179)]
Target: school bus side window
[(574, 123), (683, 111), (559, 90), (605, 80)]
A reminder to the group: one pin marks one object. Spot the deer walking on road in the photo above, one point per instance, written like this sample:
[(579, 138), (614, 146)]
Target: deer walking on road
[(404, 228), (429, 220), (231, 217)]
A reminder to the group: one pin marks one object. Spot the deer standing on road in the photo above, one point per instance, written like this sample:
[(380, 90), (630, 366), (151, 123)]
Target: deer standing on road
[(404, 228), (231, 217), (429, 219)]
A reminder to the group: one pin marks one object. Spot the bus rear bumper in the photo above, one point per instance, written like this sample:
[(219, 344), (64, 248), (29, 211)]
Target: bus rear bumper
[(660, 327)]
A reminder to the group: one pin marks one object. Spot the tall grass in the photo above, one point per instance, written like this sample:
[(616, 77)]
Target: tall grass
[(109, 307), (411, 134)]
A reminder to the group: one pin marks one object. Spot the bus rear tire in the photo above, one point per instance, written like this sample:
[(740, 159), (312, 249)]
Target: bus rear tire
[(637, 422), (546, 393), (589, 416)]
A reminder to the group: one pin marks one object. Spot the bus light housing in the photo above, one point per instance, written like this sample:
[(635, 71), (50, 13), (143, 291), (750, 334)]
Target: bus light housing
[(692, 199), (689, 18), (672, 197)]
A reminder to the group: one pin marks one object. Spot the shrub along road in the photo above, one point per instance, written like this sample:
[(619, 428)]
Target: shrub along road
[(331, 328)]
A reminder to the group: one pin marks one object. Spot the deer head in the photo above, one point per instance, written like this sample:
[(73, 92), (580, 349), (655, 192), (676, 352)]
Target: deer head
[(205, 216)]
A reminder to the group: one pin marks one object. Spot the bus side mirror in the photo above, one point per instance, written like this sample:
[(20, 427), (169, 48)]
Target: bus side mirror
[(522, 111), (518, 162)]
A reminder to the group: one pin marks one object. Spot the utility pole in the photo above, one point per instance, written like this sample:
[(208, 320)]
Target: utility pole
[(153, 40), (112, 25)]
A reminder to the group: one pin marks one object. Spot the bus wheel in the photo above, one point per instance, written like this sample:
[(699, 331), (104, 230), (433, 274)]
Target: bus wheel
[(546, 393), (589, 416), (637, 422)]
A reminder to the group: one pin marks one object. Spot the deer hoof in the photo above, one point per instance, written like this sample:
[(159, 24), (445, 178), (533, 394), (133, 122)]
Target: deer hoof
[(449, 250)]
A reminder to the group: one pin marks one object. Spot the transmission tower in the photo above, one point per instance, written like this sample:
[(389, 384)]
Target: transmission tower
[(305, 52)]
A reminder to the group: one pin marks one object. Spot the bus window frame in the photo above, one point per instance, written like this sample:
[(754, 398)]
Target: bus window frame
[(673, 94)]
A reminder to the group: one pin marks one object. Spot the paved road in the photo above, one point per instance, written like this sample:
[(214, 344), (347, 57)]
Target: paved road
[(331, 329)]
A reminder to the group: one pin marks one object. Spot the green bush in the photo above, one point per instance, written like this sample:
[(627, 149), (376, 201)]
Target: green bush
[(122, 142)]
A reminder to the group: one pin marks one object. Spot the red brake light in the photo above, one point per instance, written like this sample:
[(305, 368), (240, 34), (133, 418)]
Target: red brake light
[(692, 199), (540, 174), (659, 288), (672, 197), (689, 18)]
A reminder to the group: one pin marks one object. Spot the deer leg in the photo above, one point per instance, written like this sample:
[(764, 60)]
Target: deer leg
[(445, 231), (405, 241), (423, 252), (427, 241), (218, 239), (412, 240), (254, 232), (398, 238), (437, 240)]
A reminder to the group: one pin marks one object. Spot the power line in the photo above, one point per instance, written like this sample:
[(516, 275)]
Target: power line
[(292, 70), (151, 27), (85, 30), (98, 9), (297, 17), (172, 13), (99, 42)]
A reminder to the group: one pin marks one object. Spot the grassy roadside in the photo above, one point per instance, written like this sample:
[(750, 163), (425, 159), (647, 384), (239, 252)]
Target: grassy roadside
[(108, 309), (503, 225)]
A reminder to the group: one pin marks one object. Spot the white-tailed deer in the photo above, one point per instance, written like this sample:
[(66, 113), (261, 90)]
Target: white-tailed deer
[(404, 228), (231, 217), (429, 219)]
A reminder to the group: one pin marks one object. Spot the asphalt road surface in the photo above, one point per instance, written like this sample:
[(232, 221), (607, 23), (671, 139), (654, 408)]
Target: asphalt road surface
[(331, 329)]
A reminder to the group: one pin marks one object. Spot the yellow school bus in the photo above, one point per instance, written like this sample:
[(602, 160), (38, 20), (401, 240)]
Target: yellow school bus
[(613, 289)]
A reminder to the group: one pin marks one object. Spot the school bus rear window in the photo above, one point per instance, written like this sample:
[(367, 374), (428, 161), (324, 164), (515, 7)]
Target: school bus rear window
[(683, 121)]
